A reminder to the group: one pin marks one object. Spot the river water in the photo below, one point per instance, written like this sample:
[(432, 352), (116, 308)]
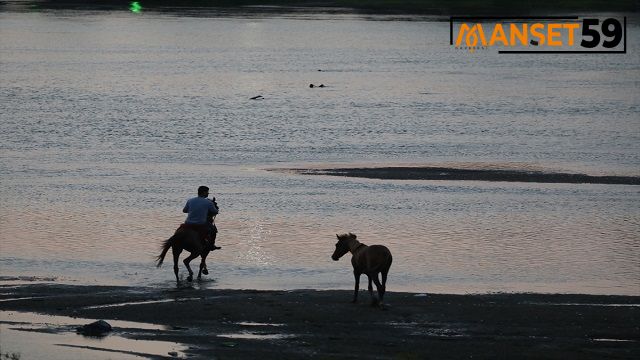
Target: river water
[(110, 120)]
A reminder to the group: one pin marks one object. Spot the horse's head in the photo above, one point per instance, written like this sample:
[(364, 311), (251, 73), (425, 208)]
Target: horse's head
[(342, 246)]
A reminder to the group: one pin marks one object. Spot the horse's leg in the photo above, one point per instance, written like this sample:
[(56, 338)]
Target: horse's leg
[(203, 266), (186, 263), (380, 288), (373, 299), (176, 256), (384, 283), (355, 292)]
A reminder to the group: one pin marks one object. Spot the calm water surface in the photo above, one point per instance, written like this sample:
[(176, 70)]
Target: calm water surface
[(110, 120)]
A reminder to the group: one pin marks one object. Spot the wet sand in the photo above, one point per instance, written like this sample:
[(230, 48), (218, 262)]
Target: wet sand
[(448, 173), (300, 324)]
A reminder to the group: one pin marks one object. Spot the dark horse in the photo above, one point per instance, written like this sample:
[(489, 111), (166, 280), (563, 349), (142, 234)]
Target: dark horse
[(369, 260), (189, 240)]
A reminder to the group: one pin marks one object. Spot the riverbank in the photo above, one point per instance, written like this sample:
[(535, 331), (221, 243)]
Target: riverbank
[(248, 324)]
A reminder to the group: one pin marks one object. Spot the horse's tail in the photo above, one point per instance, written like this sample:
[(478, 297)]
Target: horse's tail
[(165, 247)]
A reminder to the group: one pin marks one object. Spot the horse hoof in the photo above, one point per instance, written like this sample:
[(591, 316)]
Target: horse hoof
[(205, 271), (190, 278)]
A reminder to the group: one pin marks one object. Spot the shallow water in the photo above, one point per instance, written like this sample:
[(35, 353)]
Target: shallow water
[(110, 121), (54, 335)]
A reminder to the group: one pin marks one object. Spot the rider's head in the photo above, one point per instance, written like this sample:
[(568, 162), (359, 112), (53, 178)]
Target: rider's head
[(203, 191)]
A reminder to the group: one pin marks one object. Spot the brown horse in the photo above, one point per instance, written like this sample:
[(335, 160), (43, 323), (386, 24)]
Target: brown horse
[(369, 260), (189, 240)]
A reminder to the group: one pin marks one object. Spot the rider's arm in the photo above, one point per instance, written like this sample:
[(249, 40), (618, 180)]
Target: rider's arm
[(186, 208)]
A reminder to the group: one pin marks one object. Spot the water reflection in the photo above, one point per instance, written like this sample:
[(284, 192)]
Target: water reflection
[(256, 336), (254, 250)]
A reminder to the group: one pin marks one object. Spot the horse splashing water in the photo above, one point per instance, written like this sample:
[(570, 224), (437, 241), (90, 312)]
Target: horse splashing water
[(189, 240), (368, 260)]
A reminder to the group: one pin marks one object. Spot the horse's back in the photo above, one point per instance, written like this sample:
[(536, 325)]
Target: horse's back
[(378, 258), (379, 250)]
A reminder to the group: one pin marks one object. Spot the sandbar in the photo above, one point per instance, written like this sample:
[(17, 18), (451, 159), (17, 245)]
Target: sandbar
[(465, 174)]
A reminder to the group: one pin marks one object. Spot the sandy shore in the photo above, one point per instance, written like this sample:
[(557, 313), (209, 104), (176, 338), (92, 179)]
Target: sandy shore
[(300, 324)]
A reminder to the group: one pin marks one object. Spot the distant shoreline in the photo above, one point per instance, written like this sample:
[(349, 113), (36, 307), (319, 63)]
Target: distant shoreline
[(304, 324), (449, 173), (415, 7)]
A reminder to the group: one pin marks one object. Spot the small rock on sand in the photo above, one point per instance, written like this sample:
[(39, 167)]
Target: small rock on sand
[(97, 328)]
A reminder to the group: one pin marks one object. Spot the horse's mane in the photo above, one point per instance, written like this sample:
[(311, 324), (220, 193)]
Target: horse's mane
[(347, 236)]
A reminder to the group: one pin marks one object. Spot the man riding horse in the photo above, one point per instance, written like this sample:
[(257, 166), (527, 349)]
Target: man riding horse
[(197, 235), (200, 213)]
